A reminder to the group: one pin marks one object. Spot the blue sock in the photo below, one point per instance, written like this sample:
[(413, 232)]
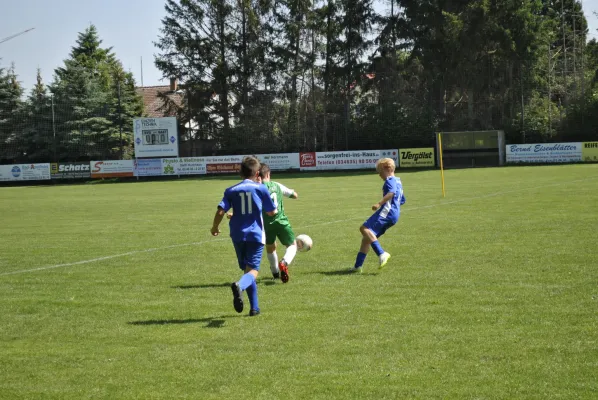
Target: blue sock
[(252, 294), (377, 248), (246, 281), (360, 259)]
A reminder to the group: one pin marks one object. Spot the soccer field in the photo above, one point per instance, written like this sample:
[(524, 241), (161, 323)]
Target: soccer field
[(118, 291)]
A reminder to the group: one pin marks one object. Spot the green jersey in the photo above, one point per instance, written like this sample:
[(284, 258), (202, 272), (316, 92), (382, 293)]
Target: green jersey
[(277, 192)]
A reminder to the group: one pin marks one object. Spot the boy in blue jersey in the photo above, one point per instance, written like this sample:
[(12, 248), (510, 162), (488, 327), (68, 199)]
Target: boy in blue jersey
[(386, 215), (247, 198)]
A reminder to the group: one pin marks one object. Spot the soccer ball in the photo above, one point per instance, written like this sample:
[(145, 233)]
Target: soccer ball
[(304, 243)]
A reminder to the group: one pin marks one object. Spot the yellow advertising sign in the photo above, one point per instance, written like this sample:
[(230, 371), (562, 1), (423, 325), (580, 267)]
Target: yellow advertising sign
[(416, 158), (589, 151)]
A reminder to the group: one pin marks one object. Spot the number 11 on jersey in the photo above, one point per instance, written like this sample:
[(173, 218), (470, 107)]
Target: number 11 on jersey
[(246, 198)]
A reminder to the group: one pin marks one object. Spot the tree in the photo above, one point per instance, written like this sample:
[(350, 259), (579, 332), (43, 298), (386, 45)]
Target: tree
[(90, 118), (37, 143), (196, 47), (291, 55), (11, 107), (327, 18), (591, 54)]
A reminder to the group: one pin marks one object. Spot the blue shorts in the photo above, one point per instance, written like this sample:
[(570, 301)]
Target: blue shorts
[(249, 254), (378, 224)]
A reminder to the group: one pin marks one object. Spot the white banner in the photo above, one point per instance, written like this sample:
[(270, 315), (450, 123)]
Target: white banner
[(280, 162), (25, 172), (544, 152), (156, 137), (336, 160), (223, 164), (332, 160), (184, 166), (147, 167), (111, 169)]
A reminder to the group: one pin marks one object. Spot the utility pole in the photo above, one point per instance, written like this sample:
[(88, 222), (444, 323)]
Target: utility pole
[(583, 71), (574, 59), (522, 104), (549, 92), (564, 50), (142, 72), (120, 117), (54, 129)]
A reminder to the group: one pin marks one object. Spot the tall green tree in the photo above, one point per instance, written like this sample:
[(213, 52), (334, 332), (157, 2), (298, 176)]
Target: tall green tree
[(196, 46), (292, 54), (37, 143), (90, 118), (327, 17), (11, 121), (356, 21)]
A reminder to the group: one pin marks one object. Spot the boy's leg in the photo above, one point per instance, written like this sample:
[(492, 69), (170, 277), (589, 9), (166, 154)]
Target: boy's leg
[(370, 231), (287, 238), (363, 250), (273, 260), (252, 292), (271, 251), (252, 266), (240, 250), (249, 255), (373, 233)]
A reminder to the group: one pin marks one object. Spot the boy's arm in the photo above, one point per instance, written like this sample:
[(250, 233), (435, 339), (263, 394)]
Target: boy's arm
[(217, 220), (387, 197), (287, 192)]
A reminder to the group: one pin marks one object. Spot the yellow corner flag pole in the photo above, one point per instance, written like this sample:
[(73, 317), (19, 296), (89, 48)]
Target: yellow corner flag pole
[(441, 163)]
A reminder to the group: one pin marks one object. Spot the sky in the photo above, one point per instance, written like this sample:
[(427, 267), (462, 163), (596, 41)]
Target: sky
[(128, 26)]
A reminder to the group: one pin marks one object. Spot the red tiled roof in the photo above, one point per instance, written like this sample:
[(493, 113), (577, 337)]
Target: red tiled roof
[(153, 104)]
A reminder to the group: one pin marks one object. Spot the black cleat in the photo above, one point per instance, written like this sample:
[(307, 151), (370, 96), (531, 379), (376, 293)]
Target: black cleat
[(253, 313), (276, 275), (237, 297)]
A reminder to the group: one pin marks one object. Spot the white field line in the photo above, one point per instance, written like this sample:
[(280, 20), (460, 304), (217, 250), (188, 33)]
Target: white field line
[(174, 246)]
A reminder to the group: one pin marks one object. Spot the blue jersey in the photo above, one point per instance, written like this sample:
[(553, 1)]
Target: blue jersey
[(247, 199), (392, 208)]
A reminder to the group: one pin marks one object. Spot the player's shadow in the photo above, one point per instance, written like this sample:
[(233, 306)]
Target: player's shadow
[(343, 272), (212, 322), (203, 286), (266, 282)]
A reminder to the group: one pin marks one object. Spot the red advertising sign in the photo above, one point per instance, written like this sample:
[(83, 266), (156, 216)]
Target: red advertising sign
[(307, 160), (222, 168)]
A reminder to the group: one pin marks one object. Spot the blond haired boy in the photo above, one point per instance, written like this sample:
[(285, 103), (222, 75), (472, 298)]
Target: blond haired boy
[(386, 214)]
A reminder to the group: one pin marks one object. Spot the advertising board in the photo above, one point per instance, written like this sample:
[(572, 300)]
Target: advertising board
[(544, 152)]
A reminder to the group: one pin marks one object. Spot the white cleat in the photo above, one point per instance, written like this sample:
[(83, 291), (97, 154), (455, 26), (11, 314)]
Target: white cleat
[(384, 259), (357, 270)]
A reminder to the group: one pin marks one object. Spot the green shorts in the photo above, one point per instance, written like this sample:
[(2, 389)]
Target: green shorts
[(284, 232)]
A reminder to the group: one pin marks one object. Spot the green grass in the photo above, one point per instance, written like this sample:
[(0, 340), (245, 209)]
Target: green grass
[(491, 293)]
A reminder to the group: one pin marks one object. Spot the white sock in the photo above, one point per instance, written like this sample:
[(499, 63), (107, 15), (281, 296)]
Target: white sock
[(289, 255), (273, 258)]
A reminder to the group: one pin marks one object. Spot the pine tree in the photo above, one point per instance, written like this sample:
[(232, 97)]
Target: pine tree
[(86, 91), (327, 18), (196, 46), (11, 107), (356, 24), (291, 56), (38, 135)]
